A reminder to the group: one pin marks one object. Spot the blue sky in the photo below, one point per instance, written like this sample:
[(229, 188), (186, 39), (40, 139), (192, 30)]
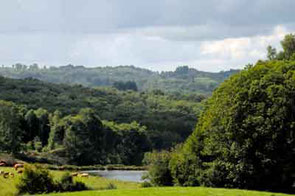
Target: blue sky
[(210, 35)]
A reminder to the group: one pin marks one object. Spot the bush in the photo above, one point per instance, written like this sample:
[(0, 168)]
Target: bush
[(146, 184), (67, 184), (35, 180), (159, 173)]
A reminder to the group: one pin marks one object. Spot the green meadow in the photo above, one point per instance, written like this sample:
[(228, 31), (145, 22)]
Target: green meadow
[(8, 185), (171, 191), (100, 187)]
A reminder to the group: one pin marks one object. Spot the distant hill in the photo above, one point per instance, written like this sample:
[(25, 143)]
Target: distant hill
[(183, 79), (169, 118)]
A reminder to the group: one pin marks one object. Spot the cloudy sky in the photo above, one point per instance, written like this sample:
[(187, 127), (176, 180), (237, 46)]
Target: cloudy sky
[(209, 35)]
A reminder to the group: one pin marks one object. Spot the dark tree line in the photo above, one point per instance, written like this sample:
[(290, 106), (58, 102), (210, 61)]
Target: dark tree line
[(169, 118), (83, 137)]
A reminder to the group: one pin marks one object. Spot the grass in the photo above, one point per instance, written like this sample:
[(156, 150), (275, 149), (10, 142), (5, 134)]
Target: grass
[(172, 191), (99, 186), (8, 186)]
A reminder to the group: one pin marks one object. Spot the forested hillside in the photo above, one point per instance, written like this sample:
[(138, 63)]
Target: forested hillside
[(183, 79), (168, 119)]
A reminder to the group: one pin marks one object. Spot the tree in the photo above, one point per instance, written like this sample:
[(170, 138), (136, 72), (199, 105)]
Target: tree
[(288, 44), (83, 137), (271, 53), (159, 173), (247, 124), (57, 131), (44, 128), (10, 132), (131, 142), (129, 85), (32, 126)]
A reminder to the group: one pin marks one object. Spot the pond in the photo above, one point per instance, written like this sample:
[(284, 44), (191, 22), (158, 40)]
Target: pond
[(124, 175)]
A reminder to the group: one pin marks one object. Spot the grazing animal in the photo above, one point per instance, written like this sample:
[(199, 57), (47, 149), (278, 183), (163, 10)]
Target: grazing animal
[(74, 174), (61, 168), (20, 171), (6, 175), (11, 174), (18, 165), (2, 164), (84, 175)]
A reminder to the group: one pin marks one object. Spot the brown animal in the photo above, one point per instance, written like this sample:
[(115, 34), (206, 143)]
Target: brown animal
[(61, 168), (20, 171), (6, 175), (18, 165), (74, 174), (2, 164), (84, 175)]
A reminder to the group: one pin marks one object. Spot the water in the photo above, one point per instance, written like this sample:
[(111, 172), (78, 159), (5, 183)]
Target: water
[(124, 175)]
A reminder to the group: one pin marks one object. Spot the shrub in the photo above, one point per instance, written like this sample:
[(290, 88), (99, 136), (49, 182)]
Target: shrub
[(146, 184), (68, 184), (35, 180), (159, 173)]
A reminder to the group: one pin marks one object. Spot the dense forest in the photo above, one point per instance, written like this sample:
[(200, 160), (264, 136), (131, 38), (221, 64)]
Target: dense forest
[(245, 136), (183, 79), (46, 114)]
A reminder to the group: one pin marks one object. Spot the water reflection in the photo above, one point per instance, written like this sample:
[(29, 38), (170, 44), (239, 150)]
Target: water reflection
[(133, 176)]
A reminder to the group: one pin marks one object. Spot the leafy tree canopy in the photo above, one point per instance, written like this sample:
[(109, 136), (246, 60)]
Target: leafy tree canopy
[(245, 137)]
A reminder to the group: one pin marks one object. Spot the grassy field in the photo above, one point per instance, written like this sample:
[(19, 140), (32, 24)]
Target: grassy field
[(172, 191), (98, 186), (7, 186)]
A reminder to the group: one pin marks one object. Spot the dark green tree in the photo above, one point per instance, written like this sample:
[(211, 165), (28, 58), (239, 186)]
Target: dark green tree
[(32, 126), (245, 137), (83, 137), (288, 45), (271, 53), (57, 131), (44, 129), (10, 132)]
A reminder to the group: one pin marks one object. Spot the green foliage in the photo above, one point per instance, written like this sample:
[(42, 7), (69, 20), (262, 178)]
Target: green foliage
[(10, 123), (67, 183), (83, 137), (169, 118), (288, 53), (129, 85), (271, 53), (159, 173), (130, 141), (288, 45), (146, 184), (35, 180), (245, 137), (183, 79), (56, 130)]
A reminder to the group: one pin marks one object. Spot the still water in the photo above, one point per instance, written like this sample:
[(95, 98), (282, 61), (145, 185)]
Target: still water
[(124, 175)]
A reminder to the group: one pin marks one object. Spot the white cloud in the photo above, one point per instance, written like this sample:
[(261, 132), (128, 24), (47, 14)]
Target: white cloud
[(236, 52)]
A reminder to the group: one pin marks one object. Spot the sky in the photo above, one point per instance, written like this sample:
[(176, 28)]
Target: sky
[(211, 35)]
